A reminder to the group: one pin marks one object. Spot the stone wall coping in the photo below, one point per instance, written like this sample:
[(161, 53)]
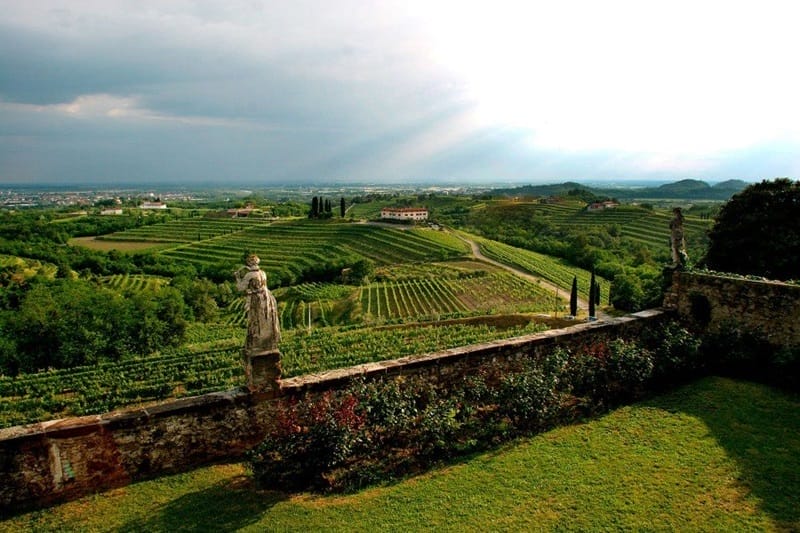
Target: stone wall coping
[(315, 380), (71, 425), (736, 278)]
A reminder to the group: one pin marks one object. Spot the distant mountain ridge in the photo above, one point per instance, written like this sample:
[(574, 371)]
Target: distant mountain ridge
[(687, 189)]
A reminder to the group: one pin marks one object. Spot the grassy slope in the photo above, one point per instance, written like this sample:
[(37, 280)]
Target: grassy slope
[(716, 455)]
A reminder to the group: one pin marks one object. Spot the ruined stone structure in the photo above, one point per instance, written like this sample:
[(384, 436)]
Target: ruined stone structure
[(677, 240), (770, 309)]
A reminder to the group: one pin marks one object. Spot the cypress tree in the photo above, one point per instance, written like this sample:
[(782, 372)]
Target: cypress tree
[(327, 205), (314, 208), (597, 293), (592, 289), (342, 209), (573, 297)]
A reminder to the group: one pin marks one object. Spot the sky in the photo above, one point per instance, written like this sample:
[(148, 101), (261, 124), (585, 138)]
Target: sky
[(406, 91)]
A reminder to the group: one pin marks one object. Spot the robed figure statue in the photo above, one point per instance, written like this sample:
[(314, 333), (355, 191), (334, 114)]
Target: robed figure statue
[(263, 329)]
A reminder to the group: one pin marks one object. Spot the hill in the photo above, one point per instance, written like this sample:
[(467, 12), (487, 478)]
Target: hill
[(687, 189)]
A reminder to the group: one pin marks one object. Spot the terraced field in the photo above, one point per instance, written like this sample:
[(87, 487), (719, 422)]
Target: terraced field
[(184, 230), (418, 295), (649, 227), (552, 269), (425, 298), (287, 250), (133, 282)]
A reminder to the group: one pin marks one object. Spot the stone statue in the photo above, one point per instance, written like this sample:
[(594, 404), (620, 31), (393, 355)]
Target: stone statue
[(679, 256), (263, 329)]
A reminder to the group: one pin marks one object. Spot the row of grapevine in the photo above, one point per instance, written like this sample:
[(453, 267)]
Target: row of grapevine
[(289, 249), (134, 282), (184, 230), (554, 270), (104, 387), (426, 298), (212, 362)]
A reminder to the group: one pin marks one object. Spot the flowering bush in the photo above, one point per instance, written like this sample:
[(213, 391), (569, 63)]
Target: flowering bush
[(383, 428)]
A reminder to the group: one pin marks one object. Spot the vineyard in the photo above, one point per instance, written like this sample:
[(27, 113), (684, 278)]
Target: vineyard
[(27, 268), (184, 230), (426, 297), (288, 250), (102, 387), (211, 362), (554, 270), (649, 227), (133, 282)]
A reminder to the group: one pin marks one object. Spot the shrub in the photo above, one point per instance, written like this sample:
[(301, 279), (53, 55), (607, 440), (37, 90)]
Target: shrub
[(380, 429), (528, 398), (309, 438)]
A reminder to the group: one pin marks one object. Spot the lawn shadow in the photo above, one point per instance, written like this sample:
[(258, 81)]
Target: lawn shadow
[(759, 427), (225, 506)]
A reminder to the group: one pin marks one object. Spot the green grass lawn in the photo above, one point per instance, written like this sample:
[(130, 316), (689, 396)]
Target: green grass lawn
[(716, 455)]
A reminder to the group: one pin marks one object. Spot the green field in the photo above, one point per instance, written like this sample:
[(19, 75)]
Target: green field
[(718, 455)]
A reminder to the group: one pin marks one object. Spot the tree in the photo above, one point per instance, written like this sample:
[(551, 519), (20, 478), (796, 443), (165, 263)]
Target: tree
[(328, 208), (758, 231), (628, 293), (592, 289), (362, 270), (342, 209), (573, 297), (314, 213)]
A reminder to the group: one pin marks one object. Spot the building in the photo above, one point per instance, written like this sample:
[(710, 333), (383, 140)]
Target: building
[(112, 212), (598, 206), (153, 205), (405, 213)]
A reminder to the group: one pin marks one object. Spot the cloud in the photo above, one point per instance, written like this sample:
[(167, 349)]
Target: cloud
[(310, 89)]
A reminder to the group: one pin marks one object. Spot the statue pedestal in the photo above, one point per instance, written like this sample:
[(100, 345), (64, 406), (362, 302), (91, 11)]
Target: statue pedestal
[(263, 370)]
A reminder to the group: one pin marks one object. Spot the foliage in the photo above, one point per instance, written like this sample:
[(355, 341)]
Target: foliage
[(758, 231), (573, 297), (67, 323), (383, 428), (634, 290)]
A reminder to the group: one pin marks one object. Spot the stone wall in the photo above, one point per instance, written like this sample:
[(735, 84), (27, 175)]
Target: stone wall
[(64, 459), (768, 308)]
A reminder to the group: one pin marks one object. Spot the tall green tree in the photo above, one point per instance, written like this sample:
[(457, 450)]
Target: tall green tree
[(758, 231), (314, 213), (592, 289), (342, 209), (573, 297)]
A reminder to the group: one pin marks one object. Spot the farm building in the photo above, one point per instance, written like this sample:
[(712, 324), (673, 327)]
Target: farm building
[(405, 213), (153, 205), (598, 206), (112, 212)]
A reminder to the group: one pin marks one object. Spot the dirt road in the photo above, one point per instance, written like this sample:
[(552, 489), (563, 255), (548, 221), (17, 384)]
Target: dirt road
[(583, 305)]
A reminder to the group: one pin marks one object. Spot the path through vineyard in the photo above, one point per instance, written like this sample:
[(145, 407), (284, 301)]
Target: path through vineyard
[(476, 253)]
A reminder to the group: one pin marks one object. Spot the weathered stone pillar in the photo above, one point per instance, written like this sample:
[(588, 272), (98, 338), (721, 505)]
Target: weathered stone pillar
[(263, 370)]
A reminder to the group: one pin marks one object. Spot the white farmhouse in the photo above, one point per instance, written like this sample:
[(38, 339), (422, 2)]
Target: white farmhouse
[(405, 213)]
